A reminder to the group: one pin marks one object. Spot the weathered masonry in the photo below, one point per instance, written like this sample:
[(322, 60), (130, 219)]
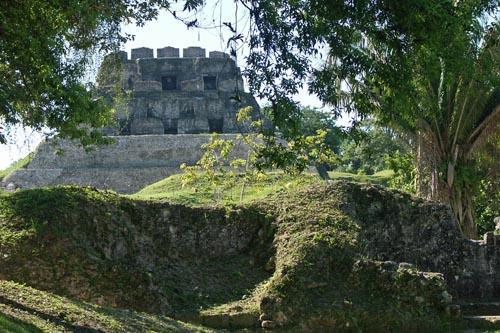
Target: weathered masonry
[(125, 166), (167, 106), (170, 94)]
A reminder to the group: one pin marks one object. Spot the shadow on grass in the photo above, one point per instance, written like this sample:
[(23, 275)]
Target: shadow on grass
[(45, 316), (14, 325)]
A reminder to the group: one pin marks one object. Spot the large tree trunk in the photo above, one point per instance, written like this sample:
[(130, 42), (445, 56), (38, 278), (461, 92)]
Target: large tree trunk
[(460, 200), (457, 195), (437, 181), (462, 206)]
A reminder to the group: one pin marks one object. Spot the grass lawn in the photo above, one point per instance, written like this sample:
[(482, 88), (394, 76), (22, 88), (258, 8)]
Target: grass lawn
[(201, 192), (381, 177), (13, 325), (27, 310)]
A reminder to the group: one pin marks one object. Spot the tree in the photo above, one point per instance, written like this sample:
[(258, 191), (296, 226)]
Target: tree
[(429, 68), (487, 198), (462, 109), (223, 169), (366, 150), (314, 119), (46, 48)]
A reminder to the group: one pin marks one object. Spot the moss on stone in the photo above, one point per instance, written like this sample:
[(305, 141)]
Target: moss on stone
[(317, 258)]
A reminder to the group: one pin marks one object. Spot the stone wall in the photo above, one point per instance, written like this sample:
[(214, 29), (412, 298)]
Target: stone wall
[(399, 228), (482, 262), (125, 166), (168, 95), (127, 253), (181, 95)]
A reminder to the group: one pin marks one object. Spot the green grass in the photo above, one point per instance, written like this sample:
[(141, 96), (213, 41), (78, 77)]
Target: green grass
[(13, 325), (27, 310), (381, 177), (16, 165), (201, 192)]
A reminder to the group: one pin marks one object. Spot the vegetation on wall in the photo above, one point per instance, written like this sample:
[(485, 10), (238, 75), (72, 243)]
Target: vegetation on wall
[(285, 253), (487, 196), (21, 163)]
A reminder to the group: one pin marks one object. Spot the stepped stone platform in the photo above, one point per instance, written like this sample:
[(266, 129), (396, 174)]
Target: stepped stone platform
[(481, 315), (125, 166)]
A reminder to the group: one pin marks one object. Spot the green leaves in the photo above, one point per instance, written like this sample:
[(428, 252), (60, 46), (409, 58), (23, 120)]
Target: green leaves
[(428, 68), (215, 165), (46, 48)]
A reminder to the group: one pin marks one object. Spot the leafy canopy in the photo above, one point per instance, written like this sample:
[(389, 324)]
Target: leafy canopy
[(429, 68), (45, 49), (369, 49)]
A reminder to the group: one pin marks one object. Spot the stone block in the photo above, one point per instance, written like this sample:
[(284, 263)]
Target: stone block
[(29, 178), (207, 84), (192, 85), (192, 125), (147, 86), (142, 52), (167, 52), (218, 54), (146, 126), (489, 238), (127, 165), (230, 85), (193, 52), (243, 320), (163, 86)]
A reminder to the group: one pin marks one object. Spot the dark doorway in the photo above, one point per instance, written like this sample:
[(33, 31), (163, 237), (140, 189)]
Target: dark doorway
[(210, 83), (215, 125), (170, 127), (169, 82)]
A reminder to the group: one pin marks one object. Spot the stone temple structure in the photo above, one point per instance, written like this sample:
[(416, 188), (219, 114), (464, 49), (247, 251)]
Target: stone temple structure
[(175, 95), (171, 105)]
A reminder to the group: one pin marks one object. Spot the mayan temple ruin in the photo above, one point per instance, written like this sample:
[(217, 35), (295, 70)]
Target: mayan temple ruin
[(172, 105), (176, 95)]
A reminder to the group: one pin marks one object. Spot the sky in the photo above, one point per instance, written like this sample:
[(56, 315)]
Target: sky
[(166, 31)]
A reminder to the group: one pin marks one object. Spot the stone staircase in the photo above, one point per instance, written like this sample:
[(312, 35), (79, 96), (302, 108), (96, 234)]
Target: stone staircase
[(127, 165), (480, 315)]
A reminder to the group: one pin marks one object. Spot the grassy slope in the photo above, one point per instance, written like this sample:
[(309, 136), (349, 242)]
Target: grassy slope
[(16, 165), (57, 237), (315, 244), (24, 309), (201, 192), (95, 244), (14, 325), (381, 177)]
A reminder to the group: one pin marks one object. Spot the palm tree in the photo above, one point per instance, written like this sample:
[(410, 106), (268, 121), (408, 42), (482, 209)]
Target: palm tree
[(464, 104), (448, 108)]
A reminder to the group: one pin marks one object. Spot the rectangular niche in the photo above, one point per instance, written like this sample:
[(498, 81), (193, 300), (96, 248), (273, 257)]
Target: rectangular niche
[(171, 126), (169, 82), (215, 125), (187, 112), (210, 83)]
